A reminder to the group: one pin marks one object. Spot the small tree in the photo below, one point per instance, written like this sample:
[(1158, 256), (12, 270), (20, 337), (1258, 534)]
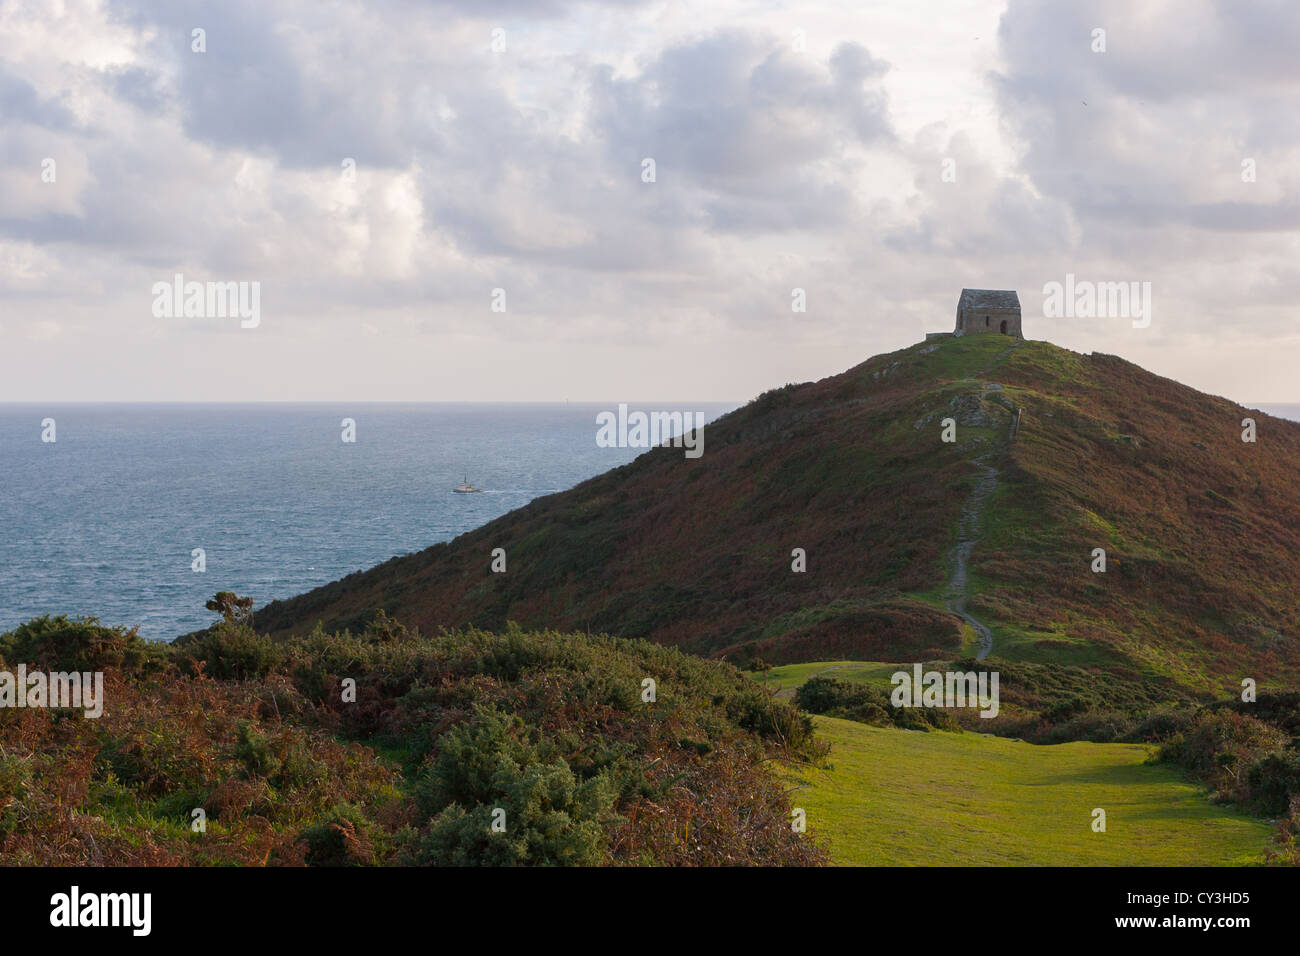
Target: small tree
[(232, 608)]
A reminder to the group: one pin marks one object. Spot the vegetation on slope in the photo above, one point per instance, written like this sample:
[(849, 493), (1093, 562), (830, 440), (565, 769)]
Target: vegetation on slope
[(1248, 753), (697, 553), (1200, 529), (1040, 703), (445, 730)]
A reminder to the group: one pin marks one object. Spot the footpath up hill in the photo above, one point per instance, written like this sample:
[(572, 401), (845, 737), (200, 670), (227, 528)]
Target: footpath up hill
[(916, 548)]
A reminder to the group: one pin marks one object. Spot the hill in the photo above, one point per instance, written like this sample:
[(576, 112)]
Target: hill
[(917, 548)]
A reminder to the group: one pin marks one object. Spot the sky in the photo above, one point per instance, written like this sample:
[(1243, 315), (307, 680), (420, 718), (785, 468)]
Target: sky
[(451, 201)]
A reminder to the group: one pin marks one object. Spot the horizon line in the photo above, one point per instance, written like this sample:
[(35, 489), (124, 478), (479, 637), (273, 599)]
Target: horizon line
[(421, 401), (374, 401)]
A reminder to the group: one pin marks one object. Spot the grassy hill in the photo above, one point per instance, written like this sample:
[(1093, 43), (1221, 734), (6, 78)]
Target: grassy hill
[(904, 798), (1200, 529)]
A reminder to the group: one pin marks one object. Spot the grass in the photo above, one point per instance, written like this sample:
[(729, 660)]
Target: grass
[(903, 798), (786, 678), (961, 359)]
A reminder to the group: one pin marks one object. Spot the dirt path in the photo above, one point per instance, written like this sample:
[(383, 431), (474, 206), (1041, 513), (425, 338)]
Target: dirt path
[(968, 530), (972, 511)]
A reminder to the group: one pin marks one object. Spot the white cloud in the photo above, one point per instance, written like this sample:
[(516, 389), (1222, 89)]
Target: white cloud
[(776, 167)]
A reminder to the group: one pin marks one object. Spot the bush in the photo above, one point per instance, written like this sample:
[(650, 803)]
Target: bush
[(1099, 727), (232, 651), (1279, 708), (1274, 781), (1220, 747), (548, 727), (80, 644), (868, 705), (343, 838), (549, 818), (1160, 726), (820, 695), (487, 773)]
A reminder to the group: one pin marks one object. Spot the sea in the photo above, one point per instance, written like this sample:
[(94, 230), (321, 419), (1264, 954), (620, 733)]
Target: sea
[(108, 519)]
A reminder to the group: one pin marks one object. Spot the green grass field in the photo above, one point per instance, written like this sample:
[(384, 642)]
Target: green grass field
[(904, 798), (788, 677)]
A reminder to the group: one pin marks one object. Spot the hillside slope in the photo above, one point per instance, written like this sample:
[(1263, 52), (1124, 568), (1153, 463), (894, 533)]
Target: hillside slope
[(465, 748), (1199, 527)]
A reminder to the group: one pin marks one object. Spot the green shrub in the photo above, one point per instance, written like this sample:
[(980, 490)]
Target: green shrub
[(868, 705), (487, 772), (1099, 727), (342, 838), (255, 752), (1160, 726), (80, 644), (15, 778), (469, 758), (1220, 747), (1274, 781), (548, 817), (232, 651)]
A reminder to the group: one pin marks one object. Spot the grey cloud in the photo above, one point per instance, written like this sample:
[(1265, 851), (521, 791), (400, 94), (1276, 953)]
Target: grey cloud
[(251, 89), (527, 171), (20, 102), (1147, 132), (142, 88), (746, 123)]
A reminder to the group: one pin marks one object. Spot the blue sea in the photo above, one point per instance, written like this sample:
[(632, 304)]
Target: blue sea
[(103, 521)]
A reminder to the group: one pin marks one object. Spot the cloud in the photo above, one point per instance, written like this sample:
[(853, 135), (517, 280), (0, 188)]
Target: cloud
[(776, 167)]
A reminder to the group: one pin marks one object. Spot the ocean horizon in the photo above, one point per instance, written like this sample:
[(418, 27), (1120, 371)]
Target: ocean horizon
[(105, 520)]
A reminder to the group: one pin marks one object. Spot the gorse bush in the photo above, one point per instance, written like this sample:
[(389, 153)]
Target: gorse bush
[(1278, 709), (1161, 725), (344, 837), (494, 798), (79, 644), (231, 651), (446, 738), (869, 705), (254, 752), (1273, 781), (1221, 746), (1253, 761), (1038, 703)]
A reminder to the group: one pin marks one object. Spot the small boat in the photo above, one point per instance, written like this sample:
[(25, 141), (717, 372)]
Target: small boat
[(465, 488)]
